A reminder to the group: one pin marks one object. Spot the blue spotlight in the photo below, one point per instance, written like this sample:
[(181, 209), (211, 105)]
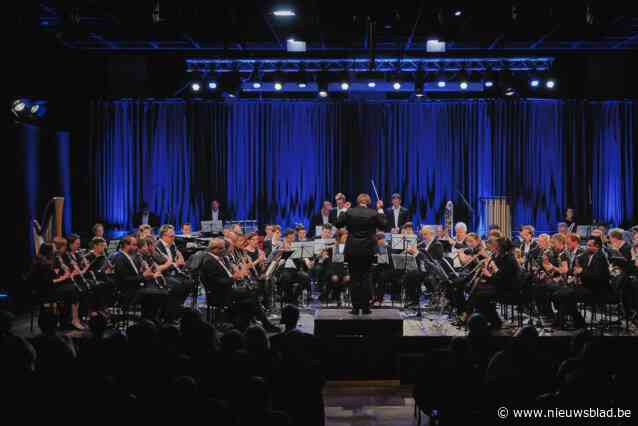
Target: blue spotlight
[(550, 84), (534, 82), (441, 83)]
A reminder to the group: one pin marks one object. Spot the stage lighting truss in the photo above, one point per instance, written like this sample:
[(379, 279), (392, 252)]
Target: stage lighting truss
[(473, 72)]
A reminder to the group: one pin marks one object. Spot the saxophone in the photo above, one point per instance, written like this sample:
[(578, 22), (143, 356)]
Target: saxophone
[(449, 216)]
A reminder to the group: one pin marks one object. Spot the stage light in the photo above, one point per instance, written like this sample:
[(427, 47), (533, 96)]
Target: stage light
[(301, 78), (464, 79), (256, 85), (345, 85), (212, 85), (489, 83), (278, 86), (195, 87), (510, 91), (283, 12), (534, 82), (302, 85), (372, 84), (550, 84), (441, 83), (18, 106), (322, 84), (458, 12), (419, 95), (396, 85)]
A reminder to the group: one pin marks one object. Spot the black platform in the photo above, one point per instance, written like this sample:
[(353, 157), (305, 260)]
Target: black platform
[(336, 323)]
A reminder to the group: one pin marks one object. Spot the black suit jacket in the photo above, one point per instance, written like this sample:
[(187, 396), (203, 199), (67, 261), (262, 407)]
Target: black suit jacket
[(403, 218), (125, 276), (222, 214), (153, 219), (333, 216), (362, 224), (595, 277), (216, 280), (317, 220)]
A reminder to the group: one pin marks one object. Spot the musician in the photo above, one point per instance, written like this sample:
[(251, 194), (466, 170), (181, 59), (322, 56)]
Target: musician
[(428, 242), (144, 231), (570, 219), (156, 290), (98, 231), (498, 275), (382, 270), (555, 267), (444, 240), (470, 255), (321, 218), (300, 231), (275, 240), (337, 276), (216, 212), (145, 217), (179, 284), (268, 229), (626, 288), (593, 274), (187, 230), (218, 279), (573, 250), (53, 283), (295, 271), (535, 255), (527, 245), (341, 208), (100, 269), (324, 259), (362, 223), (397, 216), (132, 279), (563, 229)]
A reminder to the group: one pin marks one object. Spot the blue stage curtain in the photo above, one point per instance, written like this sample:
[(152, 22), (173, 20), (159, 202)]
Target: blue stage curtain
[(63, 151), (275, 161), (613, 131)]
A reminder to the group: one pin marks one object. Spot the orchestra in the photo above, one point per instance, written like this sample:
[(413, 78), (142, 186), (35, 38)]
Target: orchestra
[(247, 272)]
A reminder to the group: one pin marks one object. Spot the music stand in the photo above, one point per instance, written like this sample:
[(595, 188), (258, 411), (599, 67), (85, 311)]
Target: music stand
[(320, 245), (275, 264), (114, 245), (303, 249)]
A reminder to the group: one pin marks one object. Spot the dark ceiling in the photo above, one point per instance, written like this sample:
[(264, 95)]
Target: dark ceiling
[(248, 28)]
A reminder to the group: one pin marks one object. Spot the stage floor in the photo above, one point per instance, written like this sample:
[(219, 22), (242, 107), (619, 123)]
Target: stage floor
[(433, 322)]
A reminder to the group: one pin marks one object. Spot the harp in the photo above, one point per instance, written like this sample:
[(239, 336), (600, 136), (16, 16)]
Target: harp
[(50, 226)]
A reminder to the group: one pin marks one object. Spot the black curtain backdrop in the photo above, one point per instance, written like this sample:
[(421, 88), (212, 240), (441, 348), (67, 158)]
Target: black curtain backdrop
[(275, 161)]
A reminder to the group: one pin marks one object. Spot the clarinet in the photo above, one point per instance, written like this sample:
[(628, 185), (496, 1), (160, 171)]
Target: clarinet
[(65, 268)]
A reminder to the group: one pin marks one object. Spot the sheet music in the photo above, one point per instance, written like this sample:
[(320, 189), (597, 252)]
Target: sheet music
[(400, 242), (337, 255), (382, 259), (320, 245)]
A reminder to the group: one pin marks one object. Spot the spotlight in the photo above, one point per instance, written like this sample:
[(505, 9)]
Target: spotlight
[(18, 106), (550, 84), (256, 85), (441, 80), (510, 91), (441, 83), (195, 86), (488, 83), (534, 82), (212, 85), (372, 84), (322, 84), (302, 79), (458, 12), (489, 78), (464, 80), (396, 85), (283, 12), (278, 85), (345, 85)]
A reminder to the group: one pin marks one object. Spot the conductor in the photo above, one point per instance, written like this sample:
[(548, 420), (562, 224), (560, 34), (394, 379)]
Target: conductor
[(362, 223)]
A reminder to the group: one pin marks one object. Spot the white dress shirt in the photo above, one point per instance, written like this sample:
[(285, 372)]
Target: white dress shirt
[(168, 251), (396, 211), (215, 214)]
